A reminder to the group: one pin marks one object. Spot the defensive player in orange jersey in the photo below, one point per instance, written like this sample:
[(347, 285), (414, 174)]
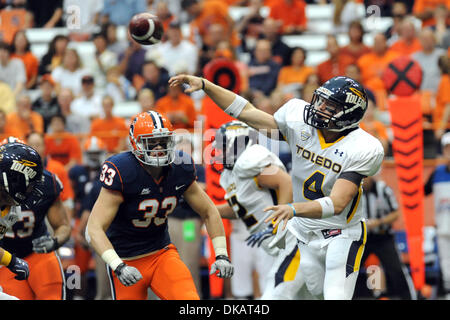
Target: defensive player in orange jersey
[(128, 223)]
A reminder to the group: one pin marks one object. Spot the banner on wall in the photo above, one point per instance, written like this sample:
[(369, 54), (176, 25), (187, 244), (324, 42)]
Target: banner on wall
[(402, 79)]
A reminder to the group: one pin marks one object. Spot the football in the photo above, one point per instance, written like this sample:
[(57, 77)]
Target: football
[(145, 28)]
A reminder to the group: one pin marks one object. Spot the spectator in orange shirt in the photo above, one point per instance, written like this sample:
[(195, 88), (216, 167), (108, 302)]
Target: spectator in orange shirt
[(110, 129), (24, 120), (6, 131), (291, 78), (424, 10), (205, 13), (178, 107), (61, 145), (21, 49), (36, 141), (356, 48), (441, 116), (372, 64), (408, 42), (291, 13), (336, 63)]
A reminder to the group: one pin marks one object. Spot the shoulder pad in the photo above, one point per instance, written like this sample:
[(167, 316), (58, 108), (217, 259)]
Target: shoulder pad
[(253, 161), (119, 170)]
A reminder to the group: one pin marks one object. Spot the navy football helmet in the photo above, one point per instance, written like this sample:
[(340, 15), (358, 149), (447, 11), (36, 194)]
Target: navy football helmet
[(231, 139), (339, 104), (21, 175)]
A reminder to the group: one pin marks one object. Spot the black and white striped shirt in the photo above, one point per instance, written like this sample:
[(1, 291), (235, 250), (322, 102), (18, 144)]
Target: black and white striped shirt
[(379, 201)]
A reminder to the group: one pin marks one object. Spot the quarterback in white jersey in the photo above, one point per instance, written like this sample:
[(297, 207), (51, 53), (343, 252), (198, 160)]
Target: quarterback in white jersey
[(20, 173), (255, 178), (331, 155)]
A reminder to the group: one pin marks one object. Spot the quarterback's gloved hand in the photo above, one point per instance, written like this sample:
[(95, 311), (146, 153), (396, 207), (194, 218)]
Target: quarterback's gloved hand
[(45, 244), (258, 237), (19, 267), (223, 265), (127, 275)]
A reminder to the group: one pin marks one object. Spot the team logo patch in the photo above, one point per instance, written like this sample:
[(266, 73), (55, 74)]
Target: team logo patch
[(304, 135), (328, 233), (145, 191), (24, 167), (355, 99)]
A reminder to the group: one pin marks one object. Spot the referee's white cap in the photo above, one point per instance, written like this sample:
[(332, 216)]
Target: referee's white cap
[(445, 140)]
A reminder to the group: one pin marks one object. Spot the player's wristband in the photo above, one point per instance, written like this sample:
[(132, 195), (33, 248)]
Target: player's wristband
[(6, 258), (203, 84), (293, 209), (236, 107), (111, 258), (220, 246), (327, 207)]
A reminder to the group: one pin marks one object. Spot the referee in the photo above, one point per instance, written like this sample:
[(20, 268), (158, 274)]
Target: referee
[(381, 210)]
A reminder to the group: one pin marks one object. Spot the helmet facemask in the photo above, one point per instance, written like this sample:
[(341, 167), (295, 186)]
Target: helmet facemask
[(94, 158), (12, 191), (156, 149), (231, 142)]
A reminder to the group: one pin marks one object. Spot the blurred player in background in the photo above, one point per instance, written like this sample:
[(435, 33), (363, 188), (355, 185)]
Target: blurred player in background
[(85, 178), (128, 223), (21, 183), (255, 178)]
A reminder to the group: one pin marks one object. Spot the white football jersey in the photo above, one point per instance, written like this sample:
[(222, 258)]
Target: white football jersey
[(316, 165), (247, 199), (8, 216)]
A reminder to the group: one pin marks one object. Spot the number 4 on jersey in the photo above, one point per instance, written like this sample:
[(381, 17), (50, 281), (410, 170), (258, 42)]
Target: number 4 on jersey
[(312, 187)]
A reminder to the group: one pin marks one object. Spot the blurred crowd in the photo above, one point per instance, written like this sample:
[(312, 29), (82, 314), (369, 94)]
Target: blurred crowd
[(68, 98)]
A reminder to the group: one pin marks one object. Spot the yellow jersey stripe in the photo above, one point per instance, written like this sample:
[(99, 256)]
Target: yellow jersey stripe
[(360, 249), (5, 211), (291, 270), (325, 144)]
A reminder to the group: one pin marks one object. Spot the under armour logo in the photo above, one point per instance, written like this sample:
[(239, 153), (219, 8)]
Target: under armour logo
[(339, 153)]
